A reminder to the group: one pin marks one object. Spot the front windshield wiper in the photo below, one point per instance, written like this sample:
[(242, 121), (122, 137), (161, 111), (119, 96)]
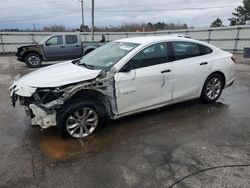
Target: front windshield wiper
[(87, 65), (78, 62)]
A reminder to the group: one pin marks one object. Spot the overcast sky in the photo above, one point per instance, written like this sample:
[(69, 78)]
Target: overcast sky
[(24, 13)]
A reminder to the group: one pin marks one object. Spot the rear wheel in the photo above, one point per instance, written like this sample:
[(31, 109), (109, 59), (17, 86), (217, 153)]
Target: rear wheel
[(33, 60), (212, 88), (81, 118)]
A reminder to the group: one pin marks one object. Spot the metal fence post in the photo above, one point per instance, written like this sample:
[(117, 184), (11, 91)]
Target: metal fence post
[(236, 39), (1, 38), (108, 37), (85, 37), (209, 35)]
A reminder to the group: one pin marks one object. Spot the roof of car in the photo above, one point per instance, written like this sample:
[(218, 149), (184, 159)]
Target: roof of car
[(151, 39)]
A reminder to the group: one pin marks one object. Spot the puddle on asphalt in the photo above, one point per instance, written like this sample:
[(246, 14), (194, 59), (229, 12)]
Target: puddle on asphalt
[(56, 148), (61, 149), (112, 135), (118, 132)]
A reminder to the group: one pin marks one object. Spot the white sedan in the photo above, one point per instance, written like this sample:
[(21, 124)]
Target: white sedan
[(121, 78)]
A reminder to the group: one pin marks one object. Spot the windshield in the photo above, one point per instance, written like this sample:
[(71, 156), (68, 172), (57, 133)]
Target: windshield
[(107, 55), (44, 40)]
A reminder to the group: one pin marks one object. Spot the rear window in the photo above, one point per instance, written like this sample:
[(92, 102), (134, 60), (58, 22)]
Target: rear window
[(71, 39), (205, 50), (183, 50)]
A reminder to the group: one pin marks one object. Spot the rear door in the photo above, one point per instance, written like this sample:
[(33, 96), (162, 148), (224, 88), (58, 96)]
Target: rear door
[(148, 84), (73, 46), (54, 48), (191, 68)]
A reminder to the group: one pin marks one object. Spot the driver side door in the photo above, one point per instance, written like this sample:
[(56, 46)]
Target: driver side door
[(147, 82), (54, 48)]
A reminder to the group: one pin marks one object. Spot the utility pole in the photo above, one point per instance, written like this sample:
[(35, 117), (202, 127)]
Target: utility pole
[(83, 26), (93, 23)]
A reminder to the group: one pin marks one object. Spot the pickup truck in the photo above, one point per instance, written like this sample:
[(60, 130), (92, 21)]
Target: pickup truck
[(56, 48)]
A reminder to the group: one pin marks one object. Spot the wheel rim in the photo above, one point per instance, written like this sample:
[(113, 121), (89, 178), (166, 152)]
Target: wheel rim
[(214, 87), (34, 60), (82, 122)]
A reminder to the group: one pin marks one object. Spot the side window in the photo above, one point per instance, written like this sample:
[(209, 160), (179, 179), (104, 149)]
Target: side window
[(56, 40), (184, 50), (204, 50), (71, 39), (152, 55)]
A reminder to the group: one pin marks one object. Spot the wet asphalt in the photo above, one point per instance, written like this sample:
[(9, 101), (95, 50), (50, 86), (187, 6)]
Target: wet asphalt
[(194, 141)]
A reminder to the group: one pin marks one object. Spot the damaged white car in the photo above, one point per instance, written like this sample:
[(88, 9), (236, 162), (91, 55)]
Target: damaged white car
[(121, 78)]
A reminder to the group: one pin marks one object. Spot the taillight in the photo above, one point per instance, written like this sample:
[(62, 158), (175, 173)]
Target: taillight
[(233, 59)]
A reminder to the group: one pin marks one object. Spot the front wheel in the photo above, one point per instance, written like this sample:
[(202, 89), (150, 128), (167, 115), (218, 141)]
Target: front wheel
[(212, 88), (81, 118), (33, 60)]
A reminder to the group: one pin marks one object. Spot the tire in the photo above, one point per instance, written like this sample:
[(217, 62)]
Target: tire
[(33, 60), (72, 121), (212, 88)]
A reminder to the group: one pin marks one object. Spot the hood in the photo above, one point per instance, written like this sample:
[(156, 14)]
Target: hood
[(58, 75), (21, 48), (26, 46)]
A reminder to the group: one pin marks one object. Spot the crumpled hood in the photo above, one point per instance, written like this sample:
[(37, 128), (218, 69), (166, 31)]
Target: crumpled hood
[(58, 75)]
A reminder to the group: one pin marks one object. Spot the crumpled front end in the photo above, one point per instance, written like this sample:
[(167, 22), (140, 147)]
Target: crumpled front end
[(43, 104), (34, 101)]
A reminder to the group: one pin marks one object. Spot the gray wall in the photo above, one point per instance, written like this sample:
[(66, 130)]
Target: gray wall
[(232, 39)]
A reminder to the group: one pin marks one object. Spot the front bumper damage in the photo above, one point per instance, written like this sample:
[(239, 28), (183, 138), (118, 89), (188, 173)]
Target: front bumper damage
[(40, 115), (43, 108)]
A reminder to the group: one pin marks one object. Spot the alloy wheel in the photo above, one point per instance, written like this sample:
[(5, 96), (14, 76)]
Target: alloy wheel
[(82, 122), (34, 60), (214, 88)]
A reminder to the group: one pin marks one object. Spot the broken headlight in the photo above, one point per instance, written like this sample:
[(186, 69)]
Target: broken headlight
[(45, 96)]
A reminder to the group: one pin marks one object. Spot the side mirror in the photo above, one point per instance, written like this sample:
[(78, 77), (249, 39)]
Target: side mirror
[(48, 44), (126, 68), (103, 39)]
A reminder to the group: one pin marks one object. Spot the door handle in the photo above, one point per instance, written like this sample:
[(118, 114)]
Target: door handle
[(166, 71), (77, 45), (62, 46), (204, 63)]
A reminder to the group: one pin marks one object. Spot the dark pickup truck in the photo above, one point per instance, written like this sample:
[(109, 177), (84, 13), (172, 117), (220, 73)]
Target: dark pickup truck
[(56, 48)]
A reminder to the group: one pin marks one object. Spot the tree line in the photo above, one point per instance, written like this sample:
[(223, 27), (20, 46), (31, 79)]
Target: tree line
[(241, 16), (126, 27)]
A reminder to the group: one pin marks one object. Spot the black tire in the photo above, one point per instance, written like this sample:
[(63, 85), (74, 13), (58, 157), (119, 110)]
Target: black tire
[(204, 94), (75, 105), (33, 60)]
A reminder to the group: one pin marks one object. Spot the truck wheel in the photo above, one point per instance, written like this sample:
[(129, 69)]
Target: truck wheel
[(80, 119), (33, 60)]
